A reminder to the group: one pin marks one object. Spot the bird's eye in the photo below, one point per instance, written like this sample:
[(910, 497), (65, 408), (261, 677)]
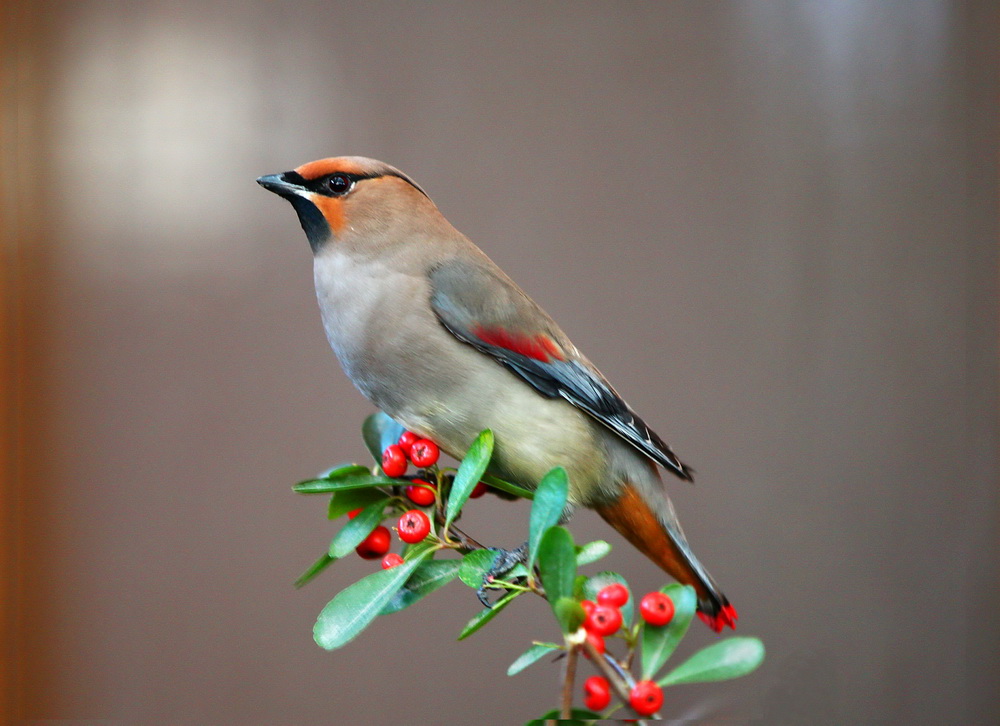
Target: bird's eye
[(339, 184)]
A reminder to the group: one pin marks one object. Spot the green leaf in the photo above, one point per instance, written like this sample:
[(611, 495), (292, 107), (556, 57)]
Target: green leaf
[(347, 500), (591, 552), (355, 531), (356, 606), (351, 481), (379, 431), (470, 471), (519, 570), (569, 613), (317, 567), (601, 580), (341, 470), (550, 501), (729, 658), (659, 643), (475, 565), (557, 564), (506, 486), (486, 615), (410, 551), (427, 578), (531, 655)]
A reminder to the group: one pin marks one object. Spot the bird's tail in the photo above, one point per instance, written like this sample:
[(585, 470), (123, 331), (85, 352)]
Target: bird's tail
[(658, 536)]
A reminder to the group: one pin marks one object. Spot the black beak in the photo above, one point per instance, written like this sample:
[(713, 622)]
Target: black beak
[(288, 184)]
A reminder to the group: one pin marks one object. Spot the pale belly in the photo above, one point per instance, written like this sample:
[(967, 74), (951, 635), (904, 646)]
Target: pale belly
[(533, 434), (402, 359)]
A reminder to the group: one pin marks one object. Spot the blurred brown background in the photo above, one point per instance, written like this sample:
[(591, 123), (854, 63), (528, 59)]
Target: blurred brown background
[(773, 225)]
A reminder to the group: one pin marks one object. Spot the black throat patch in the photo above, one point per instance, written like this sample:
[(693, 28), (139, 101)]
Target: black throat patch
[(313, 222)]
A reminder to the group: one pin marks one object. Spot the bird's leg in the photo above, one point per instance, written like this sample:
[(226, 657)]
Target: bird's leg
[(507, 560), (504, 562)]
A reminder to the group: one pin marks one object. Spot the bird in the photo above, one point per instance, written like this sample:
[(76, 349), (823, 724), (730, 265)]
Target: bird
[(437, 336)]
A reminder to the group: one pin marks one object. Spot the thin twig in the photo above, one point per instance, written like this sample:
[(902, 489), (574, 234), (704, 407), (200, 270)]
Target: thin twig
[(465, 542), (632, 641), (616, 681), (569, 675)]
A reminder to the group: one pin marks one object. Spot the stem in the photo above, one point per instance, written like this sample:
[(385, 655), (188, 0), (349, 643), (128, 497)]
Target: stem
[(616, 681), (622, 672), (569, 675), (513, 586), (465, 542), (440, 497), (633, 641)]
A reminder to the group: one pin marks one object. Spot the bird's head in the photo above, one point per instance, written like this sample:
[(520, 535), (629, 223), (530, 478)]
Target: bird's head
[(349, 196)]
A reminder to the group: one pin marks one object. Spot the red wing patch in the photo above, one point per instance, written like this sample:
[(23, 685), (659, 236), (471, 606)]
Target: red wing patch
[(541, 348)]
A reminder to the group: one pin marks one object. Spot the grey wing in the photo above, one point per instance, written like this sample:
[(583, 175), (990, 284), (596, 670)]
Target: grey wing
[(483, 308)]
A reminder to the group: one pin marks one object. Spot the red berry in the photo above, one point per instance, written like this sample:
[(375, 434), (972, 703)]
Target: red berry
[(391, 560), (413, 526), (393, 461), (603, 620), (598, 693), (588, 606), (597, 641), (375, 545), (424, 453), (353, 513), (478, 491), (646, 698), (421, 492), (614, 594), (406, 441), (656, 608)]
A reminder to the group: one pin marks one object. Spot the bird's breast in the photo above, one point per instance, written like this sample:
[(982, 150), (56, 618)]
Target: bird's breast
[(379, 322)]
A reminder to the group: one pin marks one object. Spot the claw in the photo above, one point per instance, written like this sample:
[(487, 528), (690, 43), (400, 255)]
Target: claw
[(483, 598)]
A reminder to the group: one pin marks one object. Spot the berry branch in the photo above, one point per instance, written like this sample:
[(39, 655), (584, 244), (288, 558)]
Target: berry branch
[(588, 609)]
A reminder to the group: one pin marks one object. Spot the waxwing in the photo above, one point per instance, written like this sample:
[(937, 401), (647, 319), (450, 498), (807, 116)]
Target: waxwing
[(432, 332)]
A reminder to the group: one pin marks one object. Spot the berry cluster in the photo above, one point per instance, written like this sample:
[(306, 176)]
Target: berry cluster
[(603, 619), (423, 453), (414, 525)]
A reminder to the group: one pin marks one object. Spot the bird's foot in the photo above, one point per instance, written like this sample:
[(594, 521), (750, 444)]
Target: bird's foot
[(504, 562)]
